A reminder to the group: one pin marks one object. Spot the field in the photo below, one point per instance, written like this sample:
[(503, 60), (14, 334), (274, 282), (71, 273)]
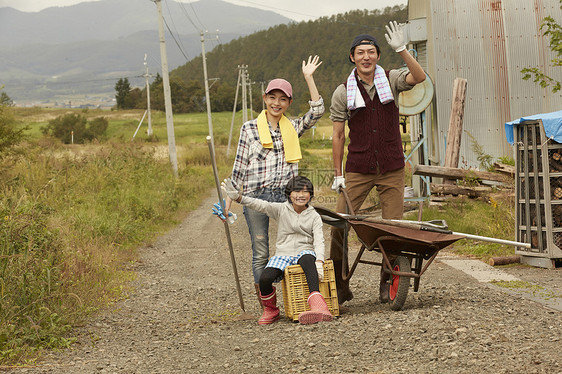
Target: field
[(74, 215)]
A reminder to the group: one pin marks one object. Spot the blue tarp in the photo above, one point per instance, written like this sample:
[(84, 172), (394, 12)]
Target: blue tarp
[(552, 123)]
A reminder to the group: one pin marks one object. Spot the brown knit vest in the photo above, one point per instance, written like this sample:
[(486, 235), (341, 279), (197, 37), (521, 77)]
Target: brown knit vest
[(374, 132)]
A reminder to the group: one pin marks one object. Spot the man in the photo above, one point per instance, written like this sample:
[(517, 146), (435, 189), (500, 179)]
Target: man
[(368, 101)]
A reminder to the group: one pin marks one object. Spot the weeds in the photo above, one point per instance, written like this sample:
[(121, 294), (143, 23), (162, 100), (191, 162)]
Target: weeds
[(71, 218), (466, 216), (533, 289)]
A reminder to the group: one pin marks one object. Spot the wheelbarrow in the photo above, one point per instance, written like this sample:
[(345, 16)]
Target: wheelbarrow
[(408, 243)]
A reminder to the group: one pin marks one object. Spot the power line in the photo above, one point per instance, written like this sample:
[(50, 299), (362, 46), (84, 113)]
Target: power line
[(194, 12), (188, 17), (181, 48), (176, 41)]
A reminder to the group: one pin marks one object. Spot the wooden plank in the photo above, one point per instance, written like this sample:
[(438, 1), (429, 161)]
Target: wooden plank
[(456, 173), (453, 189), (506, 169), (455, 123)]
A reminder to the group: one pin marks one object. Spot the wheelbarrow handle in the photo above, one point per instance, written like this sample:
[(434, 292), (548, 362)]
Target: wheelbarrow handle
[(347, 201), (435, 229), (441, 223)]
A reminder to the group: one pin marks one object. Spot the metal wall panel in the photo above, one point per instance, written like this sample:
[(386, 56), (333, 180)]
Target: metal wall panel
[(487, 42), (529, 48)]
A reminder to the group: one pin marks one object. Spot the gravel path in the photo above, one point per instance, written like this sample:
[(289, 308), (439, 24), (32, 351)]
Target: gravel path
[(182, 319)]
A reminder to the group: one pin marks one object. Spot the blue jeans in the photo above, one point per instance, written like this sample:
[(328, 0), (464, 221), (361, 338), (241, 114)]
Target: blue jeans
[(258, 226)]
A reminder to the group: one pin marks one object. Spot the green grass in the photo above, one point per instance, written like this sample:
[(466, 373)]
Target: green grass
[(72, 217), (188, 128), (490, 217), (533, 289)]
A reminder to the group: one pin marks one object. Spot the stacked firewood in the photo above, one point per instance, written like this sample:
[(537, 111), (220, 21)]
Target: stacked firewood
[(555, 164), (555, 184)]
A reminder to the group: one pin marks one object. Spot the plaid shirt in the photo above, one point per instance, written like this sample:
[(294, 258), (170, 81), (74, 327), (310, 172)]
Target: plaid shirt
[(256, 167)]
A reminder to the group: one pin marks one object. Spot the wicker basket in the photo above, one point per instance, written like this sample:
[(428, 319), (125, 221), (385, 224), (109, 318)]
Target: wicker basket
[(295, 290)]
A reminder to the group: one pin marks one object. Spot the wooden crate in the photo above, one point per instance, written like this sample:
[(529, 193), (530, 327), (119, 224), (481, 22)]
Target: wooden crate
[(295, 290)]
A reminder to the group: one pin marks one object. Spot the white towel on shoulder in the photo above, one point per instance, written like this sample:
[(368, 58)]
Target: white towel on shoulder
[(354, 97)]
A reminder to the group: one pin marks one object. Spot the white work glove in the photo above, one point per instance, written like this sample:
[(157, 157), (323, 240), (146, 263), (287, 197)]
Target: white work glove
[(320, 270), (339, 182), (395, 36), (229, 189)]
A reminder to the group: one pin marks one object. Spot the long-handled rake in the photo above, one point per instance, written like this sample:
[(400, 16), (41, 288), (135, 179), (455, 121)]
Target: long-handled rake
[(244, 315)]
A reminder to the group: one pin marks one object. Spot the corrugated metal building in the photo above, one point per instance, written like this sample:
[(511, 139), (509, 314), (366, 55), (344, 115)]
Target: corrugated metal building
[(487, 42)]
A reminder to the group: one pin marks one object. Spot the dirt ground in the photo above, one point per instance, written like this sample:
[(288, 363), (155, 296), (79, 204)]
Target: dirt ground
[(182, 318)]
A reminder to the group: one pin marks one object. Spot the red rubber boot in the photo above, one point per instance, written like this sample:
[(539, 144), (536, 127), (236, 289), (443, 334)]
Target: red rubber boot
[(318, 310), (270, 309)]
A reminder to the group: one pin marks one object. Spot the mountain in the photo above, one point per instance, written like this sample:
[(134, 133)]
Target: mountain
[(278, 52), (82, 49)]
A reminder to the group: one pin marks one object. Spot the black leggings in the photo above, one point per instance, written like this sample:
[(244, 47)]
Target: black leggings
[(269, 275)]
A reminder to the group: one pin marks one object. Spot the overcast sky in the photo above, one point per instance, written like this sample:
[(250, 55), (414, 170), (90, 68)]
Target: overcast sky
[(298, 10)]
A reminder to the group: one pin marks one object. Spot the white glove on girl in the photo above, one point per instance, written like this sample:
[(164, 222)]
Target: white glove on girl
[(228, 188)]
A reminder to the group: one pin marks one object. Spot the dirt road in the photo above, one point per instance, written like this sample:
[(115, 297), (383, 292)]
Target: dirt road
[(181, 318)]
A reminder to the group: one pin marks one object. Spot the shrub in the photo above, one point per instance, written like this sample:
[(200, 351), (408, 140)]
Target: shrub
[(10, 133), (75, 128), (97, 128)]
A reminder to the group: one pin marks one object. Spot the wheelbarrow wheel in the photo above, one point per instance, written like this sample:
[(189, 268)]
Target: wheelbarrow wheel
[(398, 290)]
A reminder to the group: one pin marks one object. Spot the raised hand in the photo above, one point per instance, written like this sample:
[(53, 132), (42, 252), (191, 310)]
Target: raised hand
[(395, 36), (308, 68)]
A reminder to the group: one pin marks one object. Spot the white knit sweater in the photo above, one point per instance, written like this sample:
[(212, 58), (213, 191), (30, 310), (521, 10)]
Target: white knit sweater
[(295, 232)]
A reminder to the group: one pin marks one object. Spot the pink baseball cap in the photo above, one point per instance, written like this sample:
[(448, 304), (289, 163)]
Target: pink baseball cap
[(280, 84)]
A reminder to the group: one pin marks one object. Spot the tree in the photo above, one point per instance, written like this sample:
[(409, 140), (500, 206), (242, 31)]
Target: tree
[(97, 128), (551, 28), (123, 93), (157, 93), (222, 97), (75, 127), (137, 99), (6, 100)]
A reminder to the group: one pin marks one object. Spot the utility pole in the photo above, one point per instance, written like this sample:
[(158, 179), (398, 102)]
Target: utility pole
[(244, 97), (262, 92), (207, 96), (167, 95), (250, 89), (234, 110), (146, 75)]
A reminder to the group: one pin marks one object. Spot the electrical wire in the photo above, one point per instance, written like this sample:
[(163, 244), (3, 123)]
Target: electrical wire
[(194, 12), (188, 17), (178, 43)]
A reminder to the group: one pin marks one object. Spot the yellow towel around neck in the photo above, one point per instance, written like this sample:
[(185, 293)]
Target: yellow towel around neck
[(290, 137)]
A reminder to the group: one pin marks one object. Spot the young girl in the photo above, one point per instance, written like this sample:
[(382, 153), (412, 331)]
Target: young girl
[(268, 154), (299, 241)]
